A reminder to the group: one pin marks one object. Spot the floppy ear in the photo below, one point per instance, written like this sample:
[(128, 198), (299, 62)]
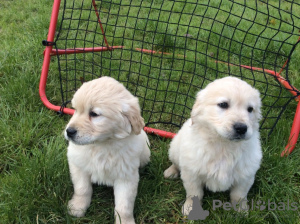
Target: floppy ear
[(258, 109), (133, 114), (125, 128), (197, 106)]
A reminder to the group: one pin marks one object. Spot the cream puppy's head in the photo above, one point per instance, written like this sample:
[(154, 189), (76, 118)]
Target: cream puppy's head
[(104, 109), (229, 108)]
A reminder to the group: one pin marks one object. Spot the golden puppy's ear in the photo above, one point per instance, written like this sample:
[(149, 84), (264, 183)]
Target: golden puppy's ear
[(133, 113), (124, 129)]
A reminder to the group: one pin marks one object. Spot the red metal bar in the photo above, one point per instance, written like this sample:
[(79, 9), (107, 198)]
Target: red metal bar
[(99, 21), (280, 79), (83, 50), (157, 52), (49, 52), (47, 55), (158, 132), (294, 133)]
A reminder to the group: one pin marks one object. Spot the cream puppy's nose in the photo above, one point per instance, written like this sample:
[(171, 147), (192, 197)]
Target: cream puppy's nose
[(240, 128)]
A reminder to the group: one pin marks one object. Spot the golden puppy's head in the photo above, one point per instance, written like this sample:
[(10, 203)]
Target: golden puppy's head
[(104, 109), (228, 107)]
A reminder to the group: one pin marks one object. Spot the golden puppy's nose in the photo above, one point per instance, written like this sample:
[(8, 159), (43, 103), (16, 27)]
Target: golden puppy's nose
[(71, 132)]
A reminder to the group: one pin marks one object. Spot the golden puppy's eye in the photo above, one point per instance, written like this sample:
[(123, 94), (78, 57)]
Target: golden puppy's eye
[(93, 114), (250, 109), (223, 105)]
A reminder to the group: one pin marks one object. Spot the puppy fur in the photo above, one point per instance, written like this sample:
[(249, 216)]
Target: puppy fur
[(219, 146), (107, 145)]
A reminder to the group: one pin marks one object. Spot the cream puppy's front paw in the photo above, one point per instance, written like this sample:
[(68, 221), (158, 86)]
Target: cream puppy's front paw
[(77, 206), (123, 220), (187, 207)]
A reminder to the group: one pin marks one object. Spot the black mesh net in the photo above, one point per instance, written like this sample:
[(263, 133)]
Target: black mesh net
[(165, 51)]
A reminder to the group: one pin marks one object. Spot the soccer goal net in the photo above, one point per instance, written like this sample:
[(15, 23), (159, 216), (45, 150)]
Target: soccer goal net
[(165, 51)]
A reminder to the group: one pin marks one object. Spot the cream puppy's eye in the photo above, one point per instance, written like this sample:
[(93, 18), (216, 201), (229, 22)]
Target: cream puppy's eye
[(223, 105), (250, 109), (93, 114)]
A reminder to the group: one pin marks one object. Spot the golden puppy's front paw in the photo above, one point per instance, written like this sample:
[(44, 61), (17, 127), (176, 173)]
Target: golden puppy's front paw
[(75, 208)]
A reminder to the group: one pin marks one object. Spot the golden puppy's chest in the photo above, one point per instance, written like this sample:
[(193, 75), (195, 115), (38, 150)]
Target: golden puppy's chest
[(103, 167)]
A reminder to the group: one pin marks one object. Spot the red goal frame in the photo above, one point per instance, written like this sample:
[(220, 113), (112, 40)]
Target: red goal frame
[(49, 52)]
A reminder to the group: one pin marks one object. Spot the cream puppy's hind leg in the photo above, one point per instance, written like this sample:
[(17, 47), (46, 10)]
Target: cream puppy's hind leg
[(172, 172), (125, 193), (174, 152), (82, 192), (238, 194), (193, 187)]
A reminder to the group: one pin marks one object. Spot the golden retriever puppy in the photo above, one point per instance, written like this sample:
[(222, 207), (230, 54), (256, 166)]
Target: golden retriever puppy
[(107, 145), (219, 146)]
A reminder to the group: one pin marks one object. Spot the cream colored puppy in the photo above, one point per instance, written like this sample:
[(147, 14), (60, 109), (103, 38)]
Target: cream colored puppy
[(107, 145), (219, 146)]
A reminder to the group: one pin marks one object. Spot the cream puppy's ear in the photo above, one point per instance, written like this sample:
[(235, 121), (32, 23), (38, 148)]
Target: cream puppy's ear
[(133, 113), (257, 111), (197, 105)]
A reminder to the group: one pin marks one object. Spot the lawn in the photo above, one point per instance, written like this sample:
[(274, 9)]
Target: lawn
[(35, 184)]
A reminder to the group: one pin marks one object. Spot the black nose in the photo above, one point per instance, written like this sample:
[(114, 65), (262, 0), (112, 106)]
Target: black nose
[(71, 132), (240, 128)]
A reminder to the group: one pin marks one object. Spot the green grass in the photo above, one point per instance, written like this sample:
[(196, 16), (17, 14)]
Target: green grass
[(35, 184)]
